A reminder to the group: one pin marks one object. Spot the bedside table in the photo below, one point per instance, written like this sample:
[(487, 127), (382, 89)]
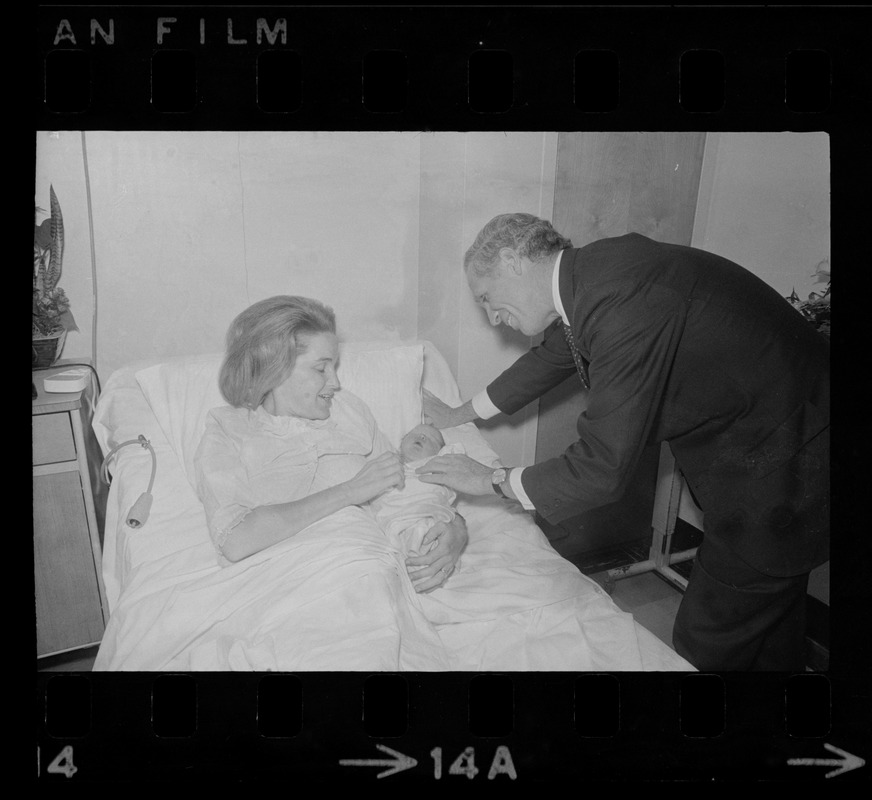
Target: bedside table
[(69, 503)]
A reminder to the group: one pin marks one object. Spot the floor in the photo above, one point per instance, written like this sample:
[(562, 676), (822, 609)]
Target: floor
[(652, 601), (74, 661)]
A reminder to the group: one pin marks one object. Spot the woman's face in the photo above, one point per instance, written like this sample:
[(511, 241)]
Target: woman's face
[(308, 391)]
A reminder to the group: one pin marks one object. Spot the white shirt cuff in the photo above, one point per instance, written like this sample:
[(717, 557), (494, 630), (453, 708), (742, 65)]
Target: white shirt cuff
[(518, 488), (483, 406)]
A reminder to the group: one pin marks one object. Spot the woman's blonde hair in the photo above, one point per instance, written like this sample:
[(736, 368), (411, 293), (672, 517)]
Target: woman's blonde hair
[(263, 343)]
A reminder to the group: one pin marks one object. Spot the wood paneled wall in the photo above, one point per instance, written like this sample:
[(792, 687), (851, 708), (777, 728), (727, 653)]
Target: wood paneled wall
[(609, 184)]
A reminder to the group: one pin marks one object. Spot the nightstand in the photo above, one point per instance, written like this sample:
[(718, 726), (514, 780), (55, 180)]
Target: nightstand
[(69, 503)]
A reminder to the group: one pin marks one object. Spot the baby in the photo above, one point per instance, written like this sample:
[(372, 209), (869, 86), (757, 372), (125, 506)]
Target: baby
[(407, 514)]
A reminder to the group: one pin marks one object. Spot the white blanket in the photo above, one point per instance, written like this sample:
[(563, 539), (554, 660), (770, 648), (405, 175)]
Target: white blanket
[(336, 597)]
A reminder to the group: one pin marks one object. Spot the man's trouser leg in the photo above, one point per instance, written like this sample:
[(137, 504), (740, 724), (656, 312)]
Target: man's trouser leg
[(733, 617)]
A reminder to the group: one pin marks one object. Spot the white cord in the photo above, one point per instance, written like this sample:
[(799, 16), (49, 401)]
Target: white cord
[(93, 252), (138, 514)]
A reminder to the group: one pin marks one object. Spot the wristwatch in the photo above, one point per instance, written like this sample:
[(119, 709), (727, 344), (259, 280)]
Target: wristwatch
[(497, 480)]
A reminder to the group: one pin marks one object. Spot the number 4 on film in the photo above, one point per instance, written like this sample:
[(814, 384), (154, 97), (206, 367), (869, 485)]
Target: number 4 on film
[(61, 765)]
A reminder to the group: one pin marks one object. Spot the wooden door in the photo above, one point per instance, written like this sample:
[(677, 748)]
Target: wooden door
[(609, 184)]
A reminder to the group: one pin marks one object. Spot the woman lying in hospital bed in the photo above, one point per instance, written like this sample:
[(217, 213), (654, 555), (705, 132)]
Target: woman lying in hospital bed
[(302, 495)]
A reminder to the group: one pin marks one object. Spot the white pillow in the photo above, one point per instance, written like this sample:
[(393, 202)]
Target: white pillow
[(182, 391), (388, 380)]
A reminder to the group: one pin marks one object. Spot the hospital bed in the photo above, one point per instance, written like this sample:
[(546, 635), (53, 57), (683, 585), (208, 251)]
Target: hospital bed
[(513, 604)]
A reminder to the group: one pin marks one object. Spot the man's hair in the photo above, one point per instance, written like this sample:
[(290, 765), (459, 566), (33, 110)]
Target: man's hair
[(263, 343), (531, 237)]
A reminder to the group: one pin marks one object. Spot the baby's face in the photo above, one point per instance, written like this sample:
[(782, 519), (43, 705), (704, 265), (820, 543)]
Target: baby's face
[(422, 441)]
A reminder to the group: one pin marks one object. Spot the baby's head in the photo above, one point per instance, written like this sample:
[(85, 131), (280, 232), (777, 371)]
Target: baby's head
[(422, 441)]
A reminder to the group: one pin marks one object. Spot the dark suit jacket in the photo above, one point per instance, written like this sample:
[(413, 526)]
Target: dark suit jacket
[(689, 348)]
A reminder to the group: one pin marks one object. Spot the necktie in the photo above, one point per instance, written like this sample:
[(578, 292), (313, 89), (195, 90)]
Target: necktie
[(577, 357)]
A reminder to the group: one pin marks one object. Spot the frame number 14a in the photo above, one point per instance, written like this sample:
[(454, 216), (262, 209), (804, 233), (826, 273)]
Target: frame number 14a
[(464, 764)]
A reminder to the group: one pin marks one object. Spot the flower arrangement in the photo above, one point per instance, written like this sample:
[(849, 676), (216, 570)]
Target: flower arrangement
[(817, 308), (51, 308)]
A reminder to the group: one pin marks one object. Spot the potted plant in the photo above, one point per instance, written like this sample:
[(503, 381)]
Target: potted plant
[(817, 308), (52, 318)]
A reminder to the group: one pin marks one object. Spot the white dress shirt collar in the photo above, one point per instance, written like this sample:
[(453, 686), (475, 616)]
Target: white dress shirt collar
[(555, 289)]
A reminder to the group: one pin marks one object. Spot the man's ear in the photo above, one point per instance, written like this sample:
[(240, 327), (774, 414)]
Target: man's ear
[(510, 260)]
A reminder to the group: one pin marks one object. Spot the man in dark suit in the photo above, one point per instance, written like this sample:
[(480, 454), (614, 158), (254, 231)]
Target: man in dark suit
[(682, 346)]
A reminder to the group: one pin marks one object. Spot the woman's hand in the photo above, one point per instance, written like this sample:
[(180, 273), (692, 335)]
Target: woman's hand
[(432, 569), (378, 475), (458, 472)]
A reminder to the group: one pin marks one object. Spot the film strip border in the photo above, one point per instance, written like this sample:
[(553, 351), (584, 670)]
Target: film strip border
[(453, 68), (500, 68), (484, 727)]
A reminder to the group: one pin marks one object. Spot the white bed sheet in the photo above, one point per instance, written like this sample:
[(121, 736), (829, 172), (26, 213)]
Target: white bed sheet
[(334, 597)]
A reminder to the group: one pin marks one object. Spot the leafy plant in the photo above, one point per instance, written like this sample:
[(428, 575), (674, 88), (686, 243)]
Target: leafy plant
[(51, 308), (817, 308)]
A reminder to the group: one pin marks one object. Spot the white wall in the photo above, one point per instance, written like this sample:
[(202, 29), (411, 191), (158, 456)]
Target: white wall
[(191, 227), (764, 202)]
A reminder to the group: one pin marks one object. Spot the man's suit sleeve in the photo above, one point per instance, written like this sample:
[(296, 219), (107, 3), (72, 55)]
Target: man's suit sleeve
[(534, 373), (633, 335)]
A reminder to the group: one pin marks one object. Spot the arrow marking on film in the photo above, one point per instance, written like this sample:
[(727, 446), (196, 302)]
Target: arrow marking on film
[(398, 763), (846, 763)]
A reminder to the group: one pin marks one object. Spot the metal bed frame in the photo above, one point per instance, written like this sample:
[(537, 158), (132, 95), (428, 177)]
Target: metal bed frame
[(667, 500)]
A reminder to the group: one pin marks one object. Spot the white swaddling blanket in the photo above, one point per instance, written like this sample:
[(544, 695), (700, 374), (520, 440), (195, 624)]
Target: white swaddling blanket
[(407, 514)]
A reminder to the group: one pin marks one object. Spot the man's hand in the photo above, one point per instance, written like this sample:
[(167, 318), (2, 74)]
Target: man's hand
[(432, 569), (441, 415), (458, 472), (436, 412)]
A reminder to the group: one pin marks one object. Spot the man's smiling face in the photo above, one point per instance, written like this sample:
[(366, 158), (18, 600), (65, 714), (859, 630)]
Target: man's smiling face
[(510, 296)]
